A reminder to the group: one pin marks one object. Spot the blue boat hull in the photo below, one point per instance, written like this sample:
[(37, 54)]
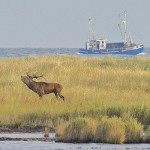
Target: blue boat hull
[(115, 51)]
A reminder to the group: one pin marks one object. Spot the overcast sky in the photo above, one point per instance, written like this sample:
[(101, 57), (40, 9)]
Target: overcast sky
[(64, 23)]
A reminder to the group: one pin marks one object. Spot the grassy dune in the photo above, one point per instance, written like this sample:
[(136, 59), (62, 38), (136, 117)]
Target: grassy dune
[(93, 87)]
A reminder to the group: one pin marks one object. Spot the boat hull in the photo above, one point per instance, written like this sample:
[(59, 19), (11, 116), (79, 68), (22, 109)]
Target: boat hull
[(114, 51)]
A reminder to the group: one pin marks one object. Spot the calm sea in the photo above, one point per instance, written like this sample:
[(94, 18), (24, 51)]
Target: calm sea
[(25, 52)]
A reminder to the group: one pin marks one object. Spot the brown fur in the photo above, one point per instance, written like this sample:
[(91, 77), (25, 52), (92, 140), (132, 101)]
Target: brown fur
[(42, 88)]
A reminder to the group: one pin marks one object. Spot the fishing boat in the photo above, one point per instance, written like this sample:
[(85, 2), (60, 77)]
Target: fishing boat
[(101, 46)]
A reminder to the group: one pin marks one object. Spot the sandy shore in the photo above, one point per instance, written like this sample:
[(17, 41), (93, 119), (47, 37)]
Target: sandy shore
[(24, 129), (27, 139)]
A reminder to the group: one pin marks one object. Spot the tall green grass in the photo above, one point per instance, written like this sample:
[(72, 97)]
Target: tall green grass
[(93, 87)]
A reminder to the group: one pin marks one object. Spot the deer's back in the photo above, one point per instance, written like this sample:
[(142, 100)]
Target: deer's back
[(50, 86)]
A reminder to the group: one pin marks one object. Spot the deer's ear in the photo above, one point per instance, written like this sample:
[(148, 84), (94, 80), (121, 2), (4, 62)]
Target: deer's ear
[(28, 75)]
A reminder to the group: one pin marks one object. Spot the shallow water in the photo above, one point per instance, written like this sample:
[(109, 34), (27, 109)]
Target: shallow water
[(39, 145)]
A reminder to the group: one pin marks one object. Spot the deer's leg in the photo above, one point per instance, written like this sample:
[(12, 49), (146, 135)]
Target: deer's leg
[(56, 94), (40, 96), (61, 96)]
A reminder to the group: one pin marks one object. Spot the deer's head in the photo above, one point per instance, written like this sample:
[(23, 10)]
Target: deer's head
[(28, 78)]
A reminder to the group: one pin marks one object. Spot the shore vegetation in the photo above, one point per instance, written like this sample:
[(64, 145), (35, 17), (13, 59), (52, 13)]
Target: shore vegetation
[(107, 99)]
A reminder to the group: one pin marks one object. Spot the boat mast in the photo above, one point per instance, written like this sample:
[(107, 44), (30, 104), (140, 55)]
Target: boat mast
[(125, 28)]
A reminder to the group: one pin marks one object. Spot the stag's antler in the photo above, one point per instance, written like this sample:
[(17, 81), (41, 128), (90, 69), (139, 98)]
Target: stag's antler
[(34, 76)]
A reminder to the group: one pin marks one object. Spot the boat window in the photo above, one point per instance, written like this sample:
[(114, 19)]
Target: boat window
[(115, 45)]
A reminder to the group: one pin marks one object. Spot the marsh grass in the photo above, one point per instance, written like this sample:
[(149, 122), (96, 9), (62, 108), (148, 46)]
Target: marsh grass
[(77, 130), (114, 130), (93, 87), (133, 129), (110, 130)]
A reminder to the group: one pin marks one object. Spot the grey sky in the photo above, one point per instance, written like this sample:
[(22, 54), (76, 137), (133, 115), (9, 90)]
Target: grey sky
[(64, 23)]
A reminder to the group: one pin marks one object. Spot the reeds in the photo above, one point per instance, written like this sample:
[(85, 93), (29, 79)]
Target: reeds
[(114, 130), (110, 130), (94, 87), (77, 130)]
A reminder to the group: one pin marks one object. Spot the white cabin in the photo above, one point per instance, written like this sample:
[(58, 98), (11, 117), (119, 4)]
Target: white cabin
[(99, 44)]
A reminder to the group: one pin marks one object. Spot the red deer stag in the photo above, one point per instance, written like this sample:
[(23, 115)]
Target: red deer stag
[(42, 88)]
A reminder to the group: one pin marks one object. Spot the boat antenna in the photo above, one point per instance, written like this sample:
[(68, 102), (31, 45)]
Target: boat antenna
[(124, 36), (91, 31), (125, 26)]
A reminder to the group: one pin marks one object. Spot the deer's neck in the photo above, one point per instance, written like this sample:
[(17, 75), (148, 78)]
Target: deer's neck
[(33, 86)]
